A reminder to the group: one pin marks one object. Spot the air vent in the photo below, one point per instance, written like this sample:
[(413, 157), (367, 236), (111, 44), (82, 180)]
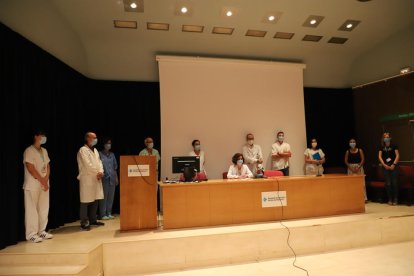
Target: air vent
[(158, 26), (256, 33), (125, 24), (223, 30), (193, 28), (282, 35), (337, 40), (313, 38)]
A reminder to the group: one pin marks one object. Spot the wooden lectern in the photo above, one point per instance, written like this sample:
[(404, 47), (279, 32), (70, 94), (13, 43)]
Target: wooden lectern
[(138, 189)]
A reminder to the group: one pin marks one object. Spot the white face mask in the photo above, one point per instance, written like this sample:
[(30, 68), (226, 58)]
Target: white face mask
[(250, 142), (197, 147), (150, 145), (43, 140), (281, 138), (314, 144)]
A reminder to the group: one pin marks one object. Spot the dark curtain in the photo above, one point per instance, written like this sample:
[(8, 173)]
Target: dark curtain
[(330, 119), (37, 91)]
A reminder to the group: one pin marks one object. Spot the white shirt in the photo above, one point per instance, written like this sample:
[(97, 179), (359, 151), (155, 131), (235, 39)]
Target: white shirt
[(40, 160), (252, 155), (202, 159), (311, 168), (280, 163), (234, 171)]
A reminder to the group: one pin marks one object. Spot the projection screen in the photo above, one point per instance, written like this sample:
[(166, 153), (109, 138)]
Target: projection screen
[(219, 101)]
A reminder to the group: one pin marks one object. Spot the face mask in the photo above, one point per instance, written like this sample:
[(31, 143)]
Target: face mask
[(281, 138), (314, 144), (240, 162), (94, 142), (197, 147), (107, 146), (387, 140), (250, 142), (352, 145), (150, 145), (43, 140)]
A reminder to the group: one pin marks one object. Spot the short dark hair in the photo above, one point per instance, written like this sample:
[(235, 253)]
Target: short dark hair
[(39, 132), (194, 141), (106, 140), (310, 143), (236, 157), (247, 135)]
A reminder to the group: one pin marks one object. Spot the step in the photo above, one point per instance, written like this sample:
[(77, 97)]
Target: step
[(42, 270)]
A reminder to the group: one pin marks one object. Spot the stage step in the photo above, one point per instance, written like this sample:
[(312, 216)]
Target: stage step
[(42, 270)]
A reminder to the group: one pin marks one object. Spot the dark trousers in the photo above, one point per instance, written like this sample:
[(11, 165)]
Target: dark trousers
[(391, 183), (285, 171), (88, 212)]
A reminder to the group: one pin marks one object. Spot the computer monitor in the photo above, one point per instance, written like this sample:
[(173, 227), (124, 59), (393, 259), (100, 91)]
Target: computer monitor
[(180, 162)]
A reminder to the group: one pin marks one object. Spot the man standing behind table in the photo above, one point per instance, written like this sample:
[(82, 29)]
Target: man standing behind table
[(90, 181), (252, 154), (281, 154)]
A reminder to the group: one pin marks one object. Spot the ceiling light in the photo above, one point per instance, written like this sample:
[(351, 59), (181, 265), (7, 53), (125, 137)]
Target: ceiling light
[(133, 5), (229, 13), (349, 26), (313, 21), (271, 18), (405, 70), (184, 9)]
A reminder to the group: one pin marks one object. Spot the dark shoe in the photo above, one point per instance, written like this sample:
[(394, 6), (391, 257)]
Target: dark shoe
[(85, 227), (97, 223)]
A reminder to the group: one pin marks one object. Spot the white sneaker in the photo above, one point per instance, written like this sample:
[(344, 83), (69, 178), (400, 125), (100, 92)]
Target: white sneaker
[(45, 235), (35, 239)]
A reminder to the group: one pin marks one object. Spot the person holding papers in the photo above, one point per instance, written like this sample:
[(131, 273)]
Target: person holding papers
[(239, 170), (314, 159)]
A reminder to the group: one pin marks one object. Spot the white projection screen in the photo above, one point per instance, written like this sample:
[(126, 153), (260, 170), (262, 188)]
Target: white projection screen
[(219, 101)]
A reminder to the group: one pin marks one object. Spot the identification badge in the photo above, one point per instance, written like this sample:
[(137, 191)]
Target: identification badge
[(388, 159)]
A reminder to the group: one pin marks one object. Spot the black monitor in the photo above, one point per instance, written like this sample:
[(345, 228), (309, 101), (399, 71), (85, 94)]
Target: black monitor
[(181, 162)]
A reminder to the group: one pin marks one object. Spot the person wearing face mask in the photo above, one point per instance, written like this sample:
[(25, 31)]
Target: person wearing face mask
[(150, 151), (109, 180), (239, 170), (354, 161), (36, 189), (90, 181), (198, 152), (314, 159), (252, 153), (388, 156), (281, 154)]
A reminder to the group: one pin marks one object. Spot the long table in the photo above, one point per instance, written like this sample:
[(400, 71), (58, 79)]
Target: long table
[(233, 201)]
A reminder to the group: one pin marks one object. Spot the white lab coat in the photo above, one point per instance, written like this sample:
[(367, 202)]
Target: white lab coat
[(89, 165)]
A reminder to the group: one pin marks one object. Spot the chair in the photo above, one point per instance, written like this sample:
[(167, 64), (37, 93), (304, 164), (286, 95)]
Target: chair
[(225, 175), (270, 173), (201, 176), (406, 182), (376, 186)]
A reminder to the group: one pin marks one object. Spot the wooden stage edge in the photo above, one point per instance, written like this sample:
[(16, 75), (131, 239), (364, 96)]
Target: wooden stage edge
[(236, 201)]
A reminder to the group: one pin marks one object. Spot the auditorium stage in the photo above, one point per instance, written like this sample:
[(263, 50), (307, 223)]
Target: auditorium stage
[(106, 250)]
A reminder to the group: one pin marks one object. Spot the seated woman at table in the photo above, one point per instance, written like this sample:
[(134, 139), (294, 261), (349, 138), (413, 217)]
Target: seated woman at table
[(239, 170), (314, 158)]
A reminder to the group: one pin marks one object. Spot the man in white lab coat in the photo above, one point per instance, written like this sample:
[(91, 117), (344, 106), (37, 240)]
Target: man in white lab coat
[(90, 181)]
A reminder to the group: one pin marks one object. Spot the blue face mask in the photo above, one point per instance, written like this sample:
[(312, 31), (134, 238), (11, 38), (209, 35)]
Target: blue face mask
[(387, 140), (107, 146), (43, 140), (352, 145), (240, 162), (94, 142)]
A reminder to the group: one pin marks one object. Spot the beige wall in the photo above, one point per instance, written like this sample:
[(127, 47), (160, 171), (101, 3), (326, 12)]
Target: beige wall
[(219, 101)]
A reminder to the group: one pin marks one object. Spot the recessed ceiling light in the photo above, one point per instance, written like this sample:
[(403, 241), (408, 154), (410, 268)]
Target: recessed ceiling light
[(271, 17), (349, 26), (184, 9), (133, 5), (313, 21), (229, 13)]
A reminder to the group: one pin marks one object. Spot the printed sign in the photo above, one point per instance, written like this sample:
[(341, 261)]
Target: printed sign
[(138, 170), (274, 199)]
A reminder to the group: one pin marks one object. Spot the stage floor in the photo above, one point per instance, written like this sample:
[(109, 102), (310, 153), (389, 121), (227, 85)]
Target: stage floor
[(380, 227)]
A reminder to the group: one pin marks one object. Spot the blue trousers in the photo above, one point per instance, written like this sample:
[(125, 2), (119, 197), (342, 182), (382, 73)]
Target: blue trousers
[(391, 183), (105, 205)]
